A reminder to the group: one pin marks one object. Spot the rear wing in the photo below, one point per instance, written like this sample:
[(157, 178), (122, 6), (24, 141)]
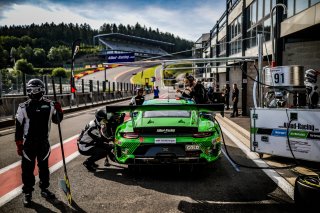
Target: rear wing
[(198, 107)]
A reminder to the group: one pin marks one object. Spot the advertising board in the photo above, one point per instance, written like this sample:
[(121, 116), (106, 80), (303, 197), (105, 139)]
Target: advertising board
[(120, 57), (271, 129)]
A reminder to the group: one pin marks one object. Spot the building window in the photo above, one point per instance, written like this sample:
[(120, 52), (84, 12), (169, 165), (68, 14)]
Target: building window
[(260, 9), (314, 2), (267, 29), (222, 46), (301, 5), (290, 8), (267, 7), (235, 28), (296, 6), (253, 9)]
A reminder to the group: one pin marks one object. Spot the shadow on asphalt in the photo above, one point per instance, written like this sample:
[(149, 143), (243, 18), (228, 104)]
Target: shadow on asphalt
[(220, 182), (58, 204), (199, 206), (39, 208)]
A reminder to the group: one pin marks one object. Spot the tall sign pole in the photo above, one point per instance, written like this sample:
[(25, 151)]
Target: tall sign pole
[(75, 49)]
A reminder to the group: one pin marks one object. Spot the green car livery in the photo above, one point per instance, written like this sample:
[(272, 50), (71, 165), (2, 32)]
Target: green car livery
[(168, 131)]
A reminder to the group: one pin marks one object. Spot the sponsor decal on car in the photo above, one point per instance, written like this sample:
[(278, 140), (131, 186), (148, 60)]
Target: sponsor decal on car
[(164, 140), (166, 130)]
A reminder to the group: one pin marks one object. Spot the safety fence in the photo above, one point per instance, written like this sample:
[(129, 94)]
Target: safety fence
[(88, 93)]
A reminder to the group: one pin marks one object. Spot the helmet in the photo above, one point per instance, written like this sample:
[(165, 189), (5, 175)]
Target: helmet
[(310, 76), (190, 78), (139, 89), (101, 117), (35, 89)]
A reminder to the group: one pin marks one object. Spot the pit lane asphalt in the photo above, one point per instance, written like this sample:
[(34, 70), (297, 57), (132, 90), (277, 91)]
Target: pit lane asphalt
[(159, 189)]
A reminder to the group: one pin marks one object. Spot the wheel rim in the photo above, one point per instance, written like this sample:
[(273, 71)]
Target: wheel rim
[(312, 181)]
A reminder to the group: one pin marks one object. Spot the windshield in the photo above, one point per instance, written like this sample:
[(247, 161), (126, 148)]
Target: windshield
[(169, 113)]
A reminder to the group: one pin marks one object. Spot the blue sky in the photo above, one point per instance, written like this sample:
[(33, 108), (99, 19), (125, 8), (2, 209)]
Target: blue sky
[(187, 19)]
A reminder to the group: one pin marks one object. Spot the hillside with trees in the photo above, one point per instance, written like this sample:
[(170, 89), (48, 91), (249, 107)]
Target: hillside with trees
[(48, 45)]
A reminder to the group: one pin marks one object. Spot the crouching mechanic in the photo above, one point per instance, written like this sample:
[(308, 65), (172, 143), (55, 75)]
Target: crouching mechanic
[(33, 122), (95, 137)]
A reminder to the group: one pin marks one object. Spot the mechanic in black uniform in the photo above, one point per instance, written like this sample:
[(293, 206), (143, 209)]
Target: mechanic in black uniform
[(235, 100), (138, 99), (95, 137), (33, 123)]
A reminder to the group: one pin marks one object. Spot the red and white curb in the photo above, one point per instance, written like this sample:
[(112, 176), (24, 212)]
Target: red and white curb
[(10, 176)]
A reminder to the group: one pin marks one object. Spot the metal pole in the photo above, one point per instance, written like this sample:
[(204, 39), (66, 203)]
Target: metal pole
[(274, 61), (260, 60), (105, 73), (220, 59), (0, 85), (24, 84)]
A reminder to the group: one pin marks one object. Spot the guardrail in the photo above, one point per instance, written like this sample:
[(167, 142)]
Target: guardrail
[(88, 93)]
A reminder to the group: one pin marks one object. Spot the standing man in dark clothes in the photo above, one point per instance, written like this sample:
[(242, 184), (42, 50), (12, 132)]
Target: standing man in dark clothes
[(226, 96), (156, 92), (235, 99), (33, 123)]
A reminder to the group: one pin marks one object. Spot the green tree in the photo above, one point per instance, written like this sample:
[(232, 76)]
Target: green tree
[(58, 55), (26, 40), (3, 58), (6, 82), (28, 53), (59, 72), (40, 57), (13, 54), (23, 66)]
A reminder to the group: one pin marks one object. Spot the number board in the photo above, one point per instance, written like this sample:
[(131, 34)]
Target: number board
[(280, 77), (284, 76)]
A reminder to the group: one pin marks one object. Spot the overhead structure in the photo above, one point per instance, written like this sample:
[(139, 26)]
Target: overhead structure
[(117, 43)]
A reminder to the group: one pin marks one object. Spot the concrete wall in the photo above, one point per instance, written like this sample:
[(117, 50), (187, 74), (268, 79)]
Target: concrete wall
[(306, 54)]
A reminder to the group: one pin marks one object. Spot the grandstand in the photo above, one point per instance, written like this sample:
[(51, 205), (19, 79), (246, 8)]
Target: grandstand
[(116, 43)]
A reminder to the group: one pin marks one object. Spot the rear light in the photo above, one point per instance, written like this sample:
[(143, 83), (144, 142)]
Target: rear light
[(130, 135), (202, 134)]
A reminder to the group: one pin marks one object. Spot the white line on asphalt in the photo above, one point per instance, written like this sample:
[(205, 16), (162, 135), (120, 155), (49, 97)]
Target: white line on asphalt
[(10, 195), (278, 179), (124, 72), (7, 168)]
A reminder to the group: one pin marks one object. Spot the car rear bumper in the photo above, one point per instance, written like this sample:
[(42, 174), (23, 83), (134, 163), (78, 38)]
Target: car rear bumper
[(165, 160)]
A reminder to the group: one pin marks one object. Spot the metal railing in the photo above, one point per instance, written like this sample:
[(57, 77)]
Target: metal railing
[(88, 93)]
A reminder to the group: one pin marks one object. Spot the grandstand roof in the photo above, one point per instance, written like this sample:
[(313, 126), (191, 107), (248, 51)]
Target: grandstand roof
[(134, 38)]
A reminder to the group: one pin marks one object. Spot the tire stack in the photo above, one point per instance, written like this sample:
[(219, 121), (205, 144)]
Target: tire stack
[(307, 190)]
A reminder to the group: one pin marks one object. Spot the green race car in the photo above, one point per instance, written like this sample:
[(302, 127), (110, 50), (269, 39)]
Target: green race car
[(168, 131)]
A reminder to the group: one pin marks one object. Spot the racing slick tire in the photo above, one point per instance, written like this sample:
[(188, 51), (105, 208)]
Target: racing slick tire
[(307, 190)]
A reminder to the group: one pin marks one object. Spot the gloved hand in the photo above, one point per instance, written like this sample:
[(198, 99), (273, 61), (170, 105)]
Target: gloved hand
[(57, 107), (19, 147), (111, 138)]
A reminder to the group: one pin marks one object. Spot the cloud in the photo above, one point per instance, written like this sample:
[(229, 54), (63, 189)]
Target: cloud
[(187, 19)]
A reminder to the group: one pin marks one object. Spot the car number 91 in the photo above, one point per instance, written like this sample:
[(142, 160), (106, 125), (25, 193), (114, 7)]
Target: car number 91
[(192, 147)]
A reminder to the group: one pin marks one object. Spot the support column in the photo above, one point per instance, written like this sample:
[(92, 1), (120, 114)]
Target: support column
[(244, 86)]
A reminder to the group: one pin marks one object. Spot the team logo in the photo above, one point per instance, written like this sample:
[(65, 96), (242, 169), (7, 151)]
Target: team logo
[(166, 130), (165, 149)]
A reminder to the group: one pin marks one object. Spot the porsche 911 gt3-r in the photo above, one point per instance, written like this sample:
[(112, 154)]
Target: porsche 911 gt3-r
[(168, 131)]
